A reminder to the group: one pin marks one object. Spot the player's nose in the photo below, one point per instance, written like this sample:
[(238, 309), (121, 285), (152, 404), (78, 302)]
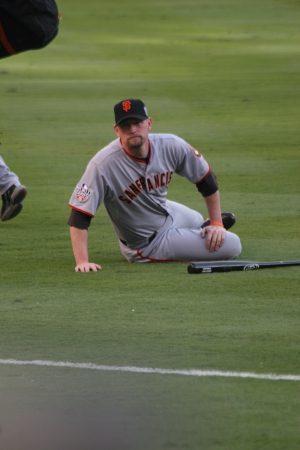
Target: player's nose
[(133, 128)]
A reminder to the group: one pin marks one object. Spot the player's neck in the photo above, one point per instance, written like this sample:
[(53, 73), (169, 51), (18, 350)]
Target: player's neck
[(140, 153)]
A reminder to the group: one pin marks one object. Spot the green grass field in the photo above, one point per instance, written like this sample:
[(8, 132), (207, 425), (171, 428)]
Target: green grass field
[(225, 77)]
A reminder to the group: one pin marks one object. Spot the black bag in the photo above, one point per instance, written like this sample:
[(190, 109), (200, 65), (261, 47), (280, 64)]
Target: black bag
[(27, 25)]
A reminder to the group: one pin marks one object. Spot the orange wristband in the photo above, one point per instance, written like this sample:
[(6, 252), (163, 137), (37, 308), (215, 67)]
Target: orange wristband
[(219, 224)]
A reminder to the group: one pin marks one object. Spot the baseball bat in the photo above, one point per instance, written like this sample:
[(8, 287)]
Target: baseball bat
[(231, 266)]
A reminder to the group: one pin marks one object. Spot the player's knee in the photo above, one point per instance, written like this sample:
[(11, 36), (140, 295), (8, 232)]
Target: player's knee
[(235, 245)]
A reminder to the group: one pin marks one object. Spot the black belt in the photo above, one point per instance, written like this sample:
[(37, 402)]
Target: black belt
[(149, 240)]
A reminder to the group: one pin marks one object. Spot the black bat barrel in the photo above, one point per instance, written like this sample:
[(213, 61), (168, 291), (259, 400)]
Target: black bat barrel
[(230, 266)]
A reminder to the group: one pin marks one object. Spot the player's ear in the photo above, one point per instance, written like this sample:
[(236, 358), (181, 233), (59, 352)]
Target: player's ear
[(116, 130), (149, 123)]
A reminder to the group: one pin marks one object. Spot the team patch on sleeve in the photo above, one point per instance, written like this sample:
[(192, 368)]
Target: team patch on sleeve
[(196, 153), (83, 192)]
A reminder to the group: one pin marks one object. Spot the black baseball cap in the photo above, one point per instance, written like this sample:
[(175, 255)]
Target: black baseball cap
[(130, 109)]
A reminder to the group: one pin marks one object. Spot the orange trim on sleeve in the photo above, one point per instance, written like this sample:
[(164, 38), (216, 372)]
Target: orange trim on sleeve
[(200, 181), (80, 210), (5, 42)]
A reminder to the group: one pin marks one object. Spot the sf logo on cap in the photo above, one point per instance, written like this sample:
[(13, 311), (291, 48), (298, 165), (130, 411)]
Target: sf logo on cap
[(126, 105)]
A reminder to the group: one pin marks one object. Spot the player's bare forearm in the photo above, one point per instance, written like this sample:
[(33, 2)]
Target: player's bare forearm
[(215, 232), (79, 239), (213, 207)]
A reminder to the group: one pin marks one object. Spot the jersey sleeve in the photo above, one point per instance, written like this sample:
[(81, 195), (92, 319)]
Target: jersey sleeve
[(190, 163), (89, 192)]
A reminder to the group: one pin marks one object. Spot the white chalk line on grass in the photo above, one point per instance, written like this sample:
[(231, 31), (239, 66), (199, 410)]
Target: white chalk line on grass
[(191, 372)]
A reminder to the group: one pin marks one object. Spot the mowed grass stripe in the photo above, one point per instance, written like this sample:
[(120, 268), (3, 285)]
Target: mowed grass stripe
[(192, 372)]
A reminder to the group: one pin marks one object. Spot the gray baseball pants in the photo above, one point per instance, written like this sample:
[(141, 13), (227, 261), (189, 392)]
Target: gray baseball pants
[(180, 240), (7, 178)]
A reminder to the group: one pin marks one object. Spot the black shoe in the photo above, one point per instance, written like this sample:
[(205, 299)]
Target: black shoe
[(12, 202), (228, 220)]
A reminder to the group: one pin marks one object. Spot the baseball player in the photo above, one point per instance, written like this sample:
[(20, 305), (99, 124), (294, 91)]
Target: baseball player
[(24, 25), (131, 177), (27, 25), (12, 192)]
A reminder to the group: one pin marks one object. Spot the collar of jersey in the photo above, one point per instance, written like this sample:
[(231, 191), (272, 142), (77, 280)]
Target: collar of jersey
[(138, 159)]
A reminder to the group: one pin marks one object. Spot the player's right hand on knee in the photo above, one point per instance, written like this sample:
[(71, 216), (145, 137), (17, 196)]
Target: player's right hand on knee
[(215, 237), (87, 267)]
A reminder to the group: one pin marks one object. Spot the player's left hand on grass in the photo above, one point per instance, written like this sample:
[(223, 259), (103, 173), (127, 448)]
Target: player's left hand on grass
[(215, 237), (87, 267)]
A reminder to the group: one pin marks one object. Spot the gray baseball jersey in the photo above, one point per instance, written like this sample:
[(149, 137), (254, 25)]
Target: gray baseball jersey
[(134, 193)]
